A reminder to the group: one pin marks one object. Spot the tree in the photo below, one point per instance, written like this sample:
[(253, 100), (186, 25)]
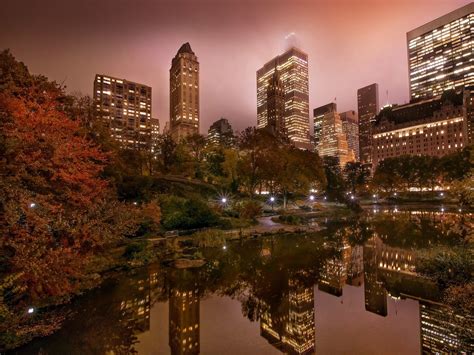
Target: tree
[(295, 171), (56, 209), (356, 175), (386, 176), (336, 186)]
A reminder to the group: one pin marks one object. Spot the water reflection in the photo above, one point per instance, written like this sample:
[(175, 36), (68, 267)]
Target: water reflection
[(184, 312), (275, 281)]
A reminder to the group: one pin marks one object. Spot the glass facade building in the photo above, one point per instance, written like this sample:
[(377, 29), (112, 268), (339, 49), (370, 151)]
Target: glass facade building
[(441, 54), (293, 69)]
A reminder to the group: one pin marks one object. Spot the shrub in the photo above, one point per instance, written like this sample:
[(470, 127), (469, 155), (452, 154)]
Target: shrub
[(180, 213), (249, 209)]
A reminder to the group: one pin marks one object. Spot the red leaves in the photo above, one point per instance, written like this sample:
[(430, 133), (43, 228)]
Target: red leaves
[(50, 190)]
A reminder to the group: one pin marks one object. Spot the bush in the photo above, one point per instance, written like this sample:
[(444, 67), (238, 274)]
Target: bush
[(192, 213), (249, 209), (290, 219)]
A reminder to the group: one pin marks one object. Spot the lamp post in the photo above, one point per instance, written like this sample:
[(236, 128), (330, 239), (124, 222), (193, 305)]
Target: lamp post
[(272, 201)]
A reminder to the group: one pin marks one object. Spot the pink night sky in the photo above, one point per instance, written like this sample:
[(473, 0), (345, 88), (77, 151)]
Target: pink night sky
[(350, 44)]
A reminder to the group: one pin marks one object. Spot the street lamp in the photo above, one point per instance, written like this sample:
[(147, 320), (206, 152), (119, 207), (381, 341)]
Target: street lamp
[(31, 310), (224, 200), (311, 197), (272, 201), (32, 205)]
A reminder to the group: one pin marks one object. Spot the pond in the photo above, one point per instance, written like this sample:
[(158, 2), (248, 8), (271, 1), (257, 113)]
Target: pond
[(350, 288)]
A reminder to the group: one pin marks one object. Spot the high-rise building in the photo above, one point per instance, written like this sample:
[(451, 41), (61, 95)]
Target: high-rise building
[(333, 140), (350, 126), (276, 105), (221, 133), (125, 106), (184, 93), (435, 127), (318, 116), (293, 70), (368, 108), (155, 134), (441, 54), (444, 331)]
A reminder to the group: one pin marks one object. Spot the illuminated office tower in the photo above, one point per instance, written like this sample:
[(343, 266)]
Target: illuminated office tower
[(350, 126), (375, 293), (125, 107), (184, 313), (333, 140), (441, 54), (368, 108), (221, 133), (184, 94), (318, 115), (444, 331), (276, 105), (293, 69)]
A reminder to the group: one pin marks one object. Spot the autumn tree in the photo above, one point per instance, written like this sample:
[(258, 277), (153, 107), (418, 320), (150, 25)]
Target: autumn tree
[(56, 209)]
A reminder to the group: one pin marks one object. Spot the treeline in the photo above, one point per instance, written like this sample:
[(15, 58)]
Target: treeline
[(453, 171)]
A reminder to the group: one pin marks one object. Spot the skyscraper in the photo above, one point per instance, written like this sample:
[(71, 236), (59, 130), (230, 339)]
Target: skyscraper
[(368, 107), (333, 140), (350, 126), (221, 133), (184, 93), (125, 107), (441, 54), (276, 104), (293, 71)]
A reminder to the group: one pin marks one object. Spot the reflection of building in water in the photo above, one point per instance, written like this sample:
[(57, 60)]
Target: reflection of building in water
[(290, 327), (184, 314), (374, 290), (443, 331), (334, 273), (396, 259), (355, 271), (135, 307)]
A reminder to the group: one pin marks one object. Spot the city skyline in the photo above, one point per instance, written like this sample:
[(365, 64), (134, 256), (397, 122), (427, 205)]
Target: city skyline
[(230, 90)]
